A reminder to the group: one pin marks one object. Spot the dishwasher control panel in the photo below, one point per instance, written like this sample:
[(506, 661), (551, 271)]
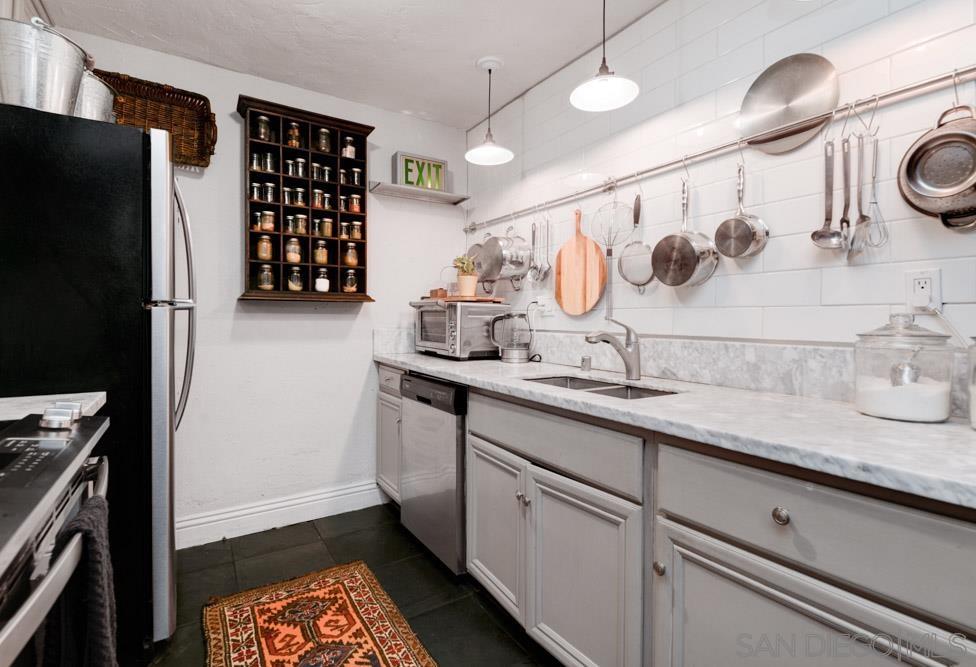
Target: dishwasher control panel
[(23, 459)]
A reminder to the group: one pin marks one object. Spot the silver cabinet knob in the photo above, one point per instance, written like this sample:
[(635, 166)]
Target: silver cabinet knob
[(781, 515), (659, 568), (522, 499)]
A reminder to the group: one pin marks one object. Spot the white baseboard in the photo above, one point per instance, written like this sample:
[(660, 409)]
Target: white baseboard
[(212, 526)]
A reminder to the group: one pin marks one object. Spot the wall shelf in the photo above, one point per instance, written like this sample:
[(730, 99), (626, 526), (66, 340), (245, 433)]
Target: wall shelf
[(411, 192)]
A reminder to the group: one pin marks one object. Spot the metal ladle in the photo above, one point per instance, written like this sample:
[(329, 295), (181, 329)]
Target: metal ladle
[(825, 237)]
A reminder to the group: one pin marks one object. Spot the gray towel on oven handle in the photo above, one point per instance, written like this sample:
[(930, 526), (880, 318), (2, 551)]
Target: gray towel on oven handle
[(84, 634)]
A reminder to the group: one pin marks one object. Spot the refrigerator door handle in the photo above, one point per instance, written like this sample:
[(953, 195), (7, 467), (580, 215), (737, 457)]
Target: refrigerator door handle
[(186, 304)]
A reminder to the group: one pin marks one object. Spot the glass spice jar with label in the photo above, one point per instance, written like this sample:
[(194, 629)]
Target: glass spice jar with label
[(355, 203), (301, 223), (321, 253), (348, 149), (351, 283), (351, 258), (295, 282), (294, 136), (264, 248), (265, 279), (357, 230), (357, 176), (293, 251), (322, 281), (324, 142), (264, 128)]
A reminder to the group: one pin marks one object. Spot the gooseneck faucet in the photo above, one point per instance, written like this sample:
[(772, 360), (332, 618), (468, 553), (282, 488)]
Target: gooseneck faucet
[(629, 350)]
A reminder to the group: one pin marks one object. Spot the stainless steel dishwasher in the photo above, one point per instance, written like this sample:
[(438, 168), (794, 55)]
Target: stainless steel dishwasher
[(432, 466)]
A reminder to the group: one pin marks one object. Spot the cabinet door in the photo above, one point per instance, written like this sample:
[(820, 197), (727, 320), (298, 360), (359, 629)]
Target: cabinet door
[(495, 530), (583, 600), (715, 604), (388, 445)]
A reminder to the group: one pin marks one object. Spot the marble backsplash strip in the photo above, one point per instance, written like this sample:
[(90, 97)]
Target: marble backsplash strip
[(393, 340)]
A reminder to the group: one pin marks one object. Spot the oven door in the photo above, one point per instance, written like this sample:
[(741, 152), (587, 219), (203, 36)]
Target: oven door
[(433, 330)]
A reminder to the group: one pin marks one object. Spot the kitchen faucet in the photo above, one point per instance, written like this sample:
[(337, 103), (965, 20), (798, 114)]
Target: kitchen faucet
[(629, 350)]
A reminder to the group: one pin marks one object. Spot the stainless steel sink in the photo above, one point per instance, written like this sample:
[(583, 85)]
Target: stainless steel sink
[(614, 389)]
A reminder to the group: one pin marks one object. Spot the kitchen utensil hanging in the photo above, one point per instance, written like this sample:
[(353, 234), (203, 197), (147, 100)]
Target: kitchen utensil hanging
[(859, 237), (635, 265), (744, 234), (687, 258), (539, 264), (503, 258), (581, 272), (878, 232), (612, 225), (789, 90), (937, 175)]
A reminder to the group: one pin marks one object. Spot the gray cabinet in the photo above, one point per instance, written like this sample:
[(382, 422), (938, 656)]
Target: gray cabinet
[(388, 444), (562, 557), (716, 604)]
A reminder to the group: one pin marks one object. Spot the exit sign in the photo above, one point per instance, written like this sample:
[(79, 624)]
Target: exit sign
[(419, 171)]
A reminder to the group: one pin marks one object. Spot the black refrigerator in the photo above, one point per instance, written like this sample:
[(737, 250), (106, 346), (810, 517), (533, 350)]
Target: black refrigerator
[(90, 219)]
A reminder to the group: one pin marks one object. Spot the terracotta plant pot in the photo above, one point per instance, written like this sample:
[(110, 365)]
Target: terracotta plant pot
[(467, 284)]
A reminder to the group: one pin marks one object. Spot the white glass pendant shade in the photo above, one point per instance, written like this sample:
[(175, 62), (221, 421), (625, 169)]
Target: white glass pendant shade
[(604, 92), (489, 153)]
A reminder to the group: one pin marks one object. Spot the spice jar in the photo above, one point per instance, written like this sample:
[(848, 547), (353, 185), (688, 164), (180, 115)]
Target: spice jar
[(256, 217), (299, 197), (350, 284), (342, 202), (343, 177), (326, 173), (351, 258), (289, 224), (295, 283), (355, 203), (357, 176), (264, 248), (325, 227), (265, 278), (318, 198), (293, 251), (348, 150), (301, 223), (316, 171), (264, 128), (255, 191), (289, 167), (294, 135), (357, 230), (322, 281), (343, 230), (903, 371), (286, 196), (321, 253), (255, 162), (269, 192), (300, 167), (267, 221), (269, 162), (324, 143)]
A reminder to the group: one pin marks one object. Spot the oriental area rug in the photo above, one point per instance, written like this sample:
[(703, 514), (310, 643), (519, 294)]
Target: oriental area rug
[(339, 617)]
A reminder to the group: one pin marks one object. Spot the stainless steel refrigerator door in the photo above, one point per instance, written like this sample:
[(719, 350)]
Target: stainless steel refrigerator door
[(431, 485)]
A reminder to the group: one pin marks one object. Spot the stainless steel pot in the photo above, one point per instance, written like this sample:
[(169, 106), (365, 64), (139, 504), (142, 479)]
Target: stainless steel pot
[(96, 99), (937, 175), (39, 67), (504, 258), (744, 234), (686, 258)]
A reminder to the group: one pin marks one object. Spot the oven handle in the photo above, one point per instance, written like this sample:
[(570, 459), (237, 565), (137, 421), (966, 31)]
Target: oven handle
[(22, 626)]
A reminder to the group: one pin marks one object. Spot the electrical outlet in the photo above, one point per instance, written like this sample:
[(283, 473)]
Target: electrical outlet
[(923, 289), (544, 302)]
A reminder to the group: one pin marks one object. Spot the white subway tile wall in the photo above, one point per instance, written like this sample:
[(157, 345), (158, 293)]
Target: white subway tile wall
[(695, 59)]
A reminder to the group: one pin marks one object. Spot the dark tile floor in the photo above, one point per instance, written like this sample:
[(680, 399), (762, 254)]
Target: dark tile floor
[(456, 620)]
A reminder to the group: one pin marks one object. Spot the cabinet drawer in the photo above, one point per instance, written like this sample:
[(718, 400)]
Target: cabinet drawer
[(389, 379), (918, 560), (591, 453)]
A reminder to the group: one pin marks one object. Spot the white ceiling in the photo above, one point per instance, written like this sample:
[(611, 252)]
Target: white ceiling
[(415, 56)]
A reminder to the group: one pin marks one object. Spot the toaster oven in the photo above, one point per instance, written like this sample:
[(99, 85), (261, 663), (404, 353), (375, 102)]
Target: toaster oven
[(455, 329)]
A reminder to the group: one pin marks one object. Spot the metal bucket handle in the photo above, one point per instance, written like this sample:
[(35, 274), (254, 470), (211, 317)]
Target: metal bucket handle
[(38, 22)]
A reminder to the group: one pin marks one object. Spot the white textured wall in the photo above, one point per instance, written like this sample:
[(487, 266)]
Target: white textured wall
[(283, 402), (695, 59)]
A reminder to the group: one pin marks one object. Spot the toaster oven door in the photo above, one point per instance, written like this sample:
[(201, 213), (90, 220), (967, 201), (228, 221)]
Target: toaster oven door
[(433, 331)]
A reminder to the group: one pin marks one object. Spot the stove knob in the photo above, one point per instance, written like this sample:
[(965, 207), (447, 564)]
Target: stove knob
[(56, 418), (74, 406)]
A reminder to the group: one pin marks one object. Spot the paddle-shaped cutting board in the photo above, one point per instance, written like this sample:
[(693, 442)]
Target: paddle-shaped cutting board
[(581, 272)]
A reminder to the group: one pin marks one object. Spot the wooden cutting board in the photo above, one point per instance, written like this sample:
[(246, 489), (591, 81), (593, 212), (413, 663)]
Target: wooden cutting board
[(581, 272)]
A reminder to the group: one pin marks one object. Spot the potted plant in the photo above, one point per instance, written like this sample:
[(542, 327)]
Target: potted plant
[(467, 277)]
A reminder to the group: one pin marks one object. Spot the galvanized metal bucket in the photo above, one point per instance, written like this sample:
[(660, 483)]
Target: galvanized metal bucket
[(95, 99)]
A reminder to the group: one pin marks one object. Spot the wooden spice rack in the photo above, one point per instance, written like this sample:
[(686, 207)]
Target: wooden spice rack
[(280, 118)]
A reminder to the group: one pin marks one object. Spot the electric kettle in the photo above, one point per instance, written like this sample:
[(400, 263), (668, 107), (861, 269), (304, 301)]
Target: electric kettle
[(515, 338)]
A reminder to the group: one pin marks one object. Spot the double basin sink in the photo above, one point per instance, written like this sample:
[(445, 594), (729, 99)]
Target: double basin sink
[(614, 389)]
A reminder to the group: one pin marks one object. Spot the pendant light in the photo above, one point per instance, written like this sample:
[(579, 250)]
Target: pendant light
[(606, 91), (489, 153)]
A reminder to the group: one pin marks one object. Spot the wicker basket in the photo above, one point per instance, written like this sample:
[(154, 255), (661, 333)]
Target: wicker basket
[(187, 116)]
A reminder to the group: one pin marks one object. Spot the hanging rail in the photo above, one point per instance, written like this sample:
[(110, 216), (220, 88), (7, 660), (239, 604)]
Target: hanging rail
[(874, 101)]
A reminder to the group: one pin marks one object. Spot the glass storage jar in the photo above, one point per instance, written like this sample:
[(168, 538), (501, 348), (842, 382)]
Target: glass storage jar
[(289, 167), (351, 283), (326, 172), (357, 176), (264, 248), (295, 282), (324, 143), (355, 203), (351, 258), (255, 191), (324, 227), (322, 281), (294, 135), (903, 371), (256, 225), (342, 202), (343, 230), (321, 254), (265, 278), (357, 230), (267, 221), (299, 197), (349, 149), (316, 171), (289, 224), (269, 162), (286, 196), (264, 128), (343, 177), (293, 251), (300, 167), (269, 192), (301, 223), (255, 162)]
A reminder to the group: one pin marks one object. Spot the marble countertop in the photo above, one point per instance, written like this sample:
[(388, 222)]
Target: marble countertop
[(936, 461), (18, 407)]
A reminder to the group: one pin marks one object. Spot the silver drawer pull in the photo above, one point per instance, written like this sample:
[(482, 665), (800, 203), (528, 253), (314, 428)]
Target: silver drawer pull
[(781, 515), (659, 568)]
